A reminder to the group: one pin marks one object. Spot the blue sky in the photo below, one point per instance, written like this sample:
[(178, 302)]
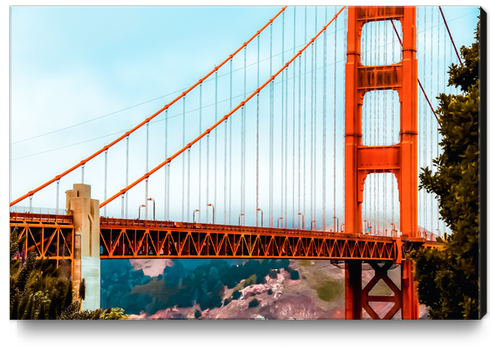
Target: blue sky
[(70, 65)]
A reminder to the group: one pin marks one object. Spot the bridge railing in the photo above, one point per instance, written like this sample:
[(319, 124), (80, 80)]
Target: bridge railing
[(41, 215)]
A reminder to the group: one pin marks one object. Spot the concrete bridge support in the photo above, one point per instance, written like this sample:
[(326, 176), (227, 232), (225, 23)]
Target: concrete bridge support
[(86, 260)]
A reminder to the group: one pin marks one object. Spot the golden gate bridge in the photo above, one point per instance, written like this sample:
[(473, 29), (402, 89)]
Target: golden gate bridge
[(305, 142)]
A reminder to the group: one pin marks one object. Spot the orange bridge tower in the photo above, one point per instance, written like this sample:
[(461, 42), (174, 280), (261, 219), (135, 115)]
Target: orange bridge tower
[(399, 159)]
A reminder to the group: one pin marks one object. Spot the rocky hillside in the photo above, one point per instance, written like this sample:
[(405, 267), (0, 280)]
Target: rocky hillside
[(224, 289)]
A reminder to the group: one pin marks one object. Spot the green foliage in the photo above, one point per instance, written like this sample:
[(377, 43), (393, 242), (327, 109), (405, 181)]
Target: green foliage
[(39, 291), (249, 281), (197, 314), (304, 262), (269, 291), (254, 303), (273, 274), (329, 290), (236, 295), (294, 275), (179, 286), (448, 280), (82, 289)]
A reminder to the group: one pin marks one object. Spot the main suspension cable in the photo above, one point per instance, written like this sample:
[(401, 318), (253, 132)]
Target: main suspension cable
[(32, 192), (241, 105)]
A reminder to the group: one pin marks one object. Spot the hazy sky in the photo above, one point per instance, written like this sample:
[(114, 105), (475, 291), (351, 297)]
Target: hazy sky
[(70, 65)]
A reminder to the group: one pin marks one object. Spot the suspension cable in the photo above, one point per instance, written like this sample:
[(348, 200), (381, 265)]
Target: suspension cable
[(450, 36), (147, 119), (418, 80), (241, 105)]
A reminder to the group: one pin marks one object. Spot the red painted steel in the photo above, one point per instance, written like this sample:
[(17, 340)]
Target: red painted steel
[(399, 159), (121, 238), (150, 239), (51, 236)]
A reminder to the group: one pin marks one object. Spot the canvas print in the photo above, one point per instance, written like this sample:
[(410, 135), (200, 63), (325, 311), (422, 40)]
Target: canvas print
[(247, 163)]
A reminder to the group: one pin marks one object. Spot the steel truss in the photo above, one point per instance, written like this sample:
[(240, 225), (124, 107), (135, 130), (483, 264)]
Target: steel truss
[(123, 238), (51, 236)]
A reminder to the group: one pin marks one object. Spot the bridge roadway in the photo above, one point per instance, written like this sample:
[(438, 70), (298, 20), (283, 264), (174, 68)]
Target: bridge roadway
[(52, 235), (130, 238)]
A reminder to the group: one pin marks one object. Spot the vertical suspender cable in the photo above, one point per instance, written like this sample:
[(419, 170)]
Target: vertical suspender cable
[(257, 140), (126, 195), (215, 138), (392, 131), (431, 120), (147, 159), (242, 207), (419, 115), (378, 120), (207, 178), (438, 74), (167, 168), (424, 147), (324, 163), (304, 125), (343, 103), (105, 183), (226, 160), (58, 197), (200, 152), (315, 124), (271, 142), (286, 152), (311, 138), (364, 130), (231, 136), (271, 156), (257, 169), (385, 116), (224, 168), (335, 226), (371, 134), (282, 129), (299, 140), (188, 182), (294, 119), (183, 157)]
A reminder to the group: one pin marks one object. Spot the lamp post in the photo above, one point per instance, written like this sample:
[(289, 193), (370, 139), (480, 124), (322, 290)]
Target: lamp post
[(213, 210)]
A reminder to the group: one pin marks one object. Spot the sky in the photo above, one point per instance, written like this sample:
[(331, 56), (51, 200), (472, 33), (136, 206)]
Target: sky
[(74, 64)]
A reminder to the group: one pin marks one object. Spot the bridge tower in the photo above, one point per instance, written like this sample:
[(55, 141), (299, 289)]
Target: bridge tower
[(86, 260), (399, 159)]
